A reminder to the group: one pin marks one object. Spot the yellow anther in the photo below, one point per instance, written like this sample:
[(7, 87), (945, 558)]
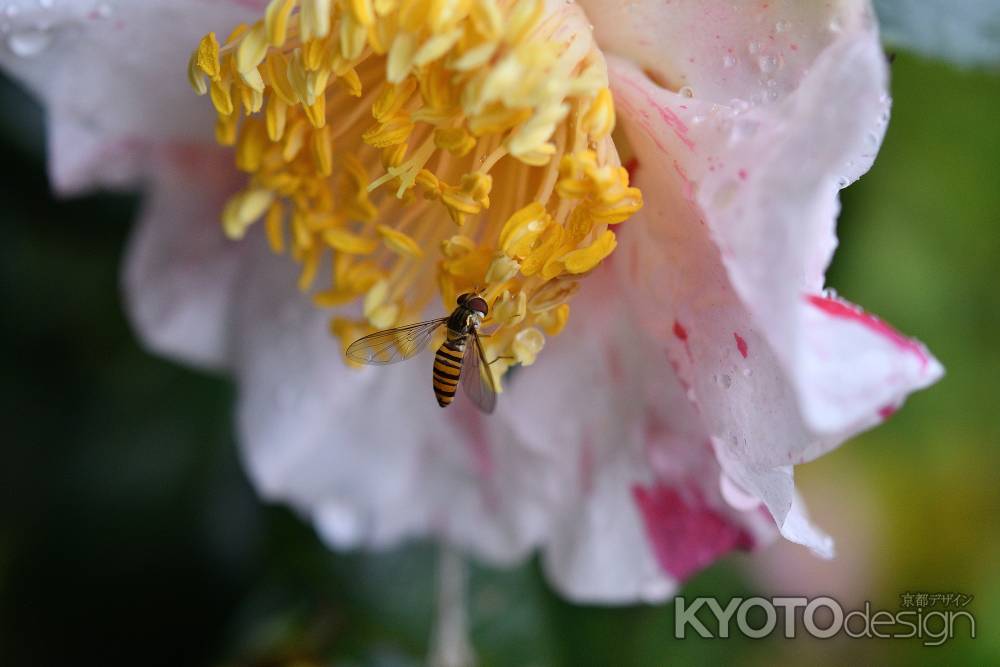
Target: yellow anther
[(502, 268), (600, 118), (351, 83), (392, 98), (487, 19), (381, 313), (457, 246), (310, 266), (276, 21), (222, 100), (522, 230), (585, 259), (553, 321), (348, 242), (393, 131), (207, 56), (510, 310), (490, 114), (455, 140), (362, 11), (522, 19), (276, 68), (314, 19), (277, 115), (323, 150), (399, 242), (469, 198), (250, 146), (245, 209), (527, 344), (226, 128), (252, 49), (275, 228)]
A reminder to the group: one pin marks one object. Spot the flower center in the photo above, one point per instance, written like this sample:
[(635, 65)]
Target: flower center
[(424, 146)]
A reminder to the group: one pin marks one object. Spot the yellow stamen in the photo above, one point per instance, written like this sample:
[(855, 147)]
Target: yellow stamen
[(492, 117)]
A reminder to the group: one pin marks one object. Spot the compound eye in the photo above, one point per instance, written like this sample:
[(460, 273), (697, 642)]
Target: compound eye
[(462, 298), (478, 304)]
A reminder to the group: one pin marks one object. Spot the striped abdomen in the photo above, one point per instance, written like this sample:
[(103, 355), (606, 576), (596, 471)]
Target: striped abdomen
[(448, 368)]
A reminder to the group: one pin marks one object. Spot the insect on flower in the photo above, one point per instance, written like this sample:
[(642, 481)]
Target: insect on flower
[(455, 360)]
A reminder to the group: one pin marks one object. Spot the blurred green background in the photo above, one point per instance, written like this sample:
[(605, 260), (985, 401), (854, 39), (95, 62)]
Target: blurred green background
[(128, 533)]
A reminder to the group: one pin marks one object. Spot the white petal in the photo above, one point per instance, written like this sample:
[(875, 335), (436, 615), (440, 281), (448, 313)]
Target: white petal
[(721, 50), (180, 270), (112, 78), (731, 247), (641, 509), (366, 453)]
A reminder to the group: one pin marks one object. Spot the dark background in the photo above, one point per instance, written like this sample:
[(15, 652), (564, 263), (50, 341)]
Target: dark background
[(129, 534)]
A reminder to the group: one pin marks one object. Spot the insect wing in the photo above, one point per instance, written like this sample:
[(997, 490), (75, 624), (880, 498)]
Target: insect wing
[(477, 379), (392, 345)]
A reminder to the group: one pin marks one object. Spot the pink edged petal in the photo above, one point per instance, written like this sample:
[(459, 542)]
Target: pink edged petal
[(724, 51), (640, 508), (112, 78), (180, 270), (736, 233)]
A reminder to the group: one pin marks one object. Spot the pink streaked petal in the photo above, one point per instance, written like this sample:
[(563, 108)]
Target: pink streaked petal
[(180, 270), (753, 52), (738, 225), (686, 533), (624, 417), (112, 79), (855, 369)]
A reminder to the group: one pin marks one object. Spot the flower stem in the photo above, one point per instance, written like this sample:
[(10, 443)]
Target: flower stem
[(450, 645)]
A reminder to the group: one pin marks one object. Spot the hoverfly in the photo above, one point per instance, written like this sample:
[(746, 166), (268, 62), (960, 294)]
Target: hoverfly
[(460, 357)]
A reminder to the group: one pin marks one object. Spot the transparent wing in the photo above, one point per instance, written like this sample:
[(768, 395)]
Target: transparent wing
[(392, 345), (477, 380)]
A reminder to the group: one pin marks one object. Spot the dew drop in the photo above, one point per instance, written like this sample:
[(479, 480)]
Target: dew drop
[(686, 91), (843, 182), (768, 63), (728, 61), (753, 48), (747, 372), (782, 26), (28, 43)]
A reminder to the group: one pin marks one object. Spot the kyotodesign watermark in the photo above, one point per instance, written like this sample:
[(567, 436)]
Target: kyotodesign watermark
[(932, 618)]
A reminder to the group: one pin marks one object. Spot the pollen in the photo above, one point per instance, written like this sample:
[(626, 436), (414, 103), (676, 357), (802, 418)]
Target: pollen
[(401, 151)]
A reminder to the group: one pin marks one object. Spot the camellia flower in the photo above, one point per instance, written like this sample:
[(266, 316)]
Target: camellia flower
[(379, 157)]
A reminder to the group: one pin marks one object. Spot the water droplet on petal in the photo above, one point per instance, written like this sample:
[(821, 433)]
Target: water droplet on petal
[(686, 91), (768, 63), (782, 26), (28, 43), (728, 61), (753, 48)]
